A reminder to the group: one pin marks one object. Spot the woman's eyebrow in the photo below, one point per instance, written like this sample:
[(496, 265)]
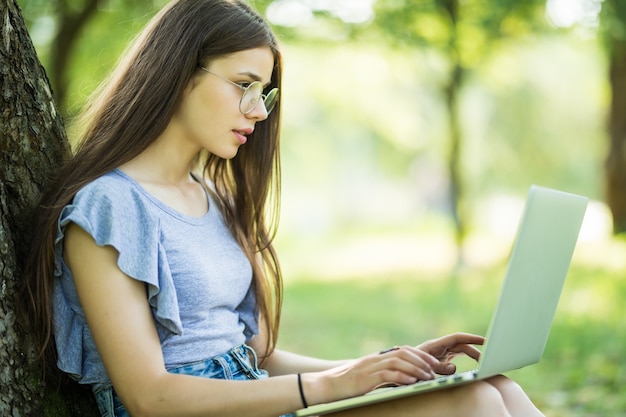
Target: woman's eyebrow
[(254, 77)]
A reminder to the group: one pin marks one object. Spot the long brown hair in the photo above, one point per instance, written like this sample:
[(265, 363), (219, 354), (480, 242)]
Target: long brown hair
[(132, 108)]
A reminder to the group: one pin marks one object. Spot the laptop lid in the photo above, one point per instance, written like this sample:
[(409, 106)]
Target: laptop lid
[(538, 264)]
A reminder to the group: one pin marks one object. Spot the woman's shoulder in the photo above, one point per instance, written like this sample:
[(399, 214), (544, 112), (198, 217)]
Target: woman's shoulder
[(113, 211), (112, 183), (112, 193), (113, 186)]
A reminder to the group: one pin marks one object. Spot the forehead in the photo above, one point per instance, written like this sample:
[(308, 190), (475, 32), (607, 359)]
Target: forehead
[(257, 61)]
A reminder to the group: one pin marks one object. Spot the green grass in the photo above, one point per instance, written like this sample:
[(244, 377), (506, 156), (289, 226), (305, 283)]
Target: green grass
[(582, 373)]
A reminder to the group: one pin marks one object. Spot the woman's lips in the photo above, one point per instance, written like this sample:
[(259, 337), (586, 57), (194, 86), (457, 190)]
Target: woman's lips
[(240, 137), (242, 134)]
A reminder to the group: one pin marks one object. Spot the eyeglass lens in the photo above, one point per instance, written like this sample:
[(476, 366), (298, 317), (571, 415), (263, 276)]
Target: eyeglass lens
[(254, 93)]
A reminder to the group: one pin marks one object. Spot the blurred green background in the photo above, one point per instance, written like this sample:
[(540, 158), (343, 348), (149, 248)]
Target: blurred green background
[(412, 131)]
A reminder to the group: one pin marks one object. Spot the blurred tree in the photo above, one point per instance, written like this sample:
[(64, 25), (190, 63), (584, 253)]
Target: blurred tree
[(464, 32), (74, 16), (33, 143), (67, 27), (70, 18), (613, 20)]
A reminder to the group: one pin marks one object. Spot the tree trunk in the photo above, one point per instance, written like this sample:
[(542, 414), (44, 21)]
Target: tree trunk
[(71, 23), (32, 145), (616, 160), (451, 95), (454, 156)]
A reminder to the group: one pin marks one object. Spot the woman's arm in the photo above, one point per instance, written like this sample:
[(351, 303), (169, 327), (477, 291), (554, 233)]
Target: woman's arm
[(121, 322), (284, 363)]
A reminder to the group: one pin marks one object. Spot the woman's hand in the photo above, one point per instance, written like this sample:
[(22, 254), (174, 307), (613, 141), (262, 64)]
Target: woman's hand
[(446, 348), (398, 366)]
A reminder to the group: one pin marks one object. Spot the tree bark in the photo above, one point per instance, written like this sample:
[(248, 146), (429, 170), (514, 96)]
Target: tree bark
[(616, 159), (32, 145)]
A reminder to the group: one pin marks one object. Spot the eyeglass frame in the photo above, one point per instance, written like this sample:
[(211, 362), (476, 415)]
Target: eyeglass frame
[(263, 97)]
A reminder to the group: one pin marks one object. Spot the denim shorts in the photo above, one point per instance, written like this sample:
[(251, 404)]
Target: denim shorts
[(239, 363)]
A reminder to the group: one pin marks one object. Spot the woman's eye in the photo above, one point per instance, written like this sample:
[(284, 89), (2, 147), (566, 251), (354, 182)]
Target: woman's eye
[(244, 84)]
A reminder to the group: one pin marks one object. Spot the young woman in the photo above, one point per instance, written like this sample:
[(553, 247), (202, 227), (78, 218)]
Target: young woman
[(153, 277)]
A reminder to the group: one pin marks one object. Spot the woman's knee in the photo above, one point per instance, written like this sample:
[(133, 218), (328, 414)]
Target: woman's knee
[(515, 399), (482, 399), (509, 389), (505, 385)]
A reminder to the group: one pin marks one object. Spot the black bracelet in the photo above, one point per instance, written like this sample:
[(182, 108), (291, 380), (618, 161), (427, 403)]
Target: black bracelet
[(302, 392)]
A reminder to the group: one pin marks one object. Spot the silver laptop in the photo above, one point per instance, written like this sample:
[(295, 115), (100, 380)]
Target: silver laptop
[(520, 324)]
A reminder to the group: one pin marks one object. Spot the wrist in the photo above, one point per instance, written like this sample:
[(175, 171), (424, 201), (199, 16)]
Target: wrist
[(311, 389)]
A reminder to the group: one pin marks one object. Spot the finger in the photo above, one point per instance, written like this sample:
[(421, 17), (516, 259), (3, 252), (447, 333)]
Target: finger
[(467, 339), (410, 361), (391, 377), (459, 338), (469, 350), (424, 360), (408, 364), (411, 353), (440, 346), (445, 368)]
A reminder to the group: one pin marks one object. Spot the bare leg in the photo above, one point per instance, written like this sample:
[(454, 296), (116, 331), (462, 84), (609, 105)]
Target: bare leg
[(478, 399), (515, 399)]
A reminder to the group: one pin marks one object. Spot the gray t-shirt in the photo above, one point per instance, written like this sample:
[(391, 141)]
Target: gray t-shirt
[(197, 277)]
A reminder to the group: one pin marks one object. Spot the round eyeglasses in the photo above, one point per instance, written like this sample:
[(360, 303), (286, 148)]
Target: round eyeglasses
[(252, 94)]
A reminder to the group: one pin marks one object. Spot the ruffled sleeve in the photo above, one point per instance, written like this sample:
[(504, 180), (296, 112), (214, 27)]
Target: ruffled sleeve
[(114, 215)]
